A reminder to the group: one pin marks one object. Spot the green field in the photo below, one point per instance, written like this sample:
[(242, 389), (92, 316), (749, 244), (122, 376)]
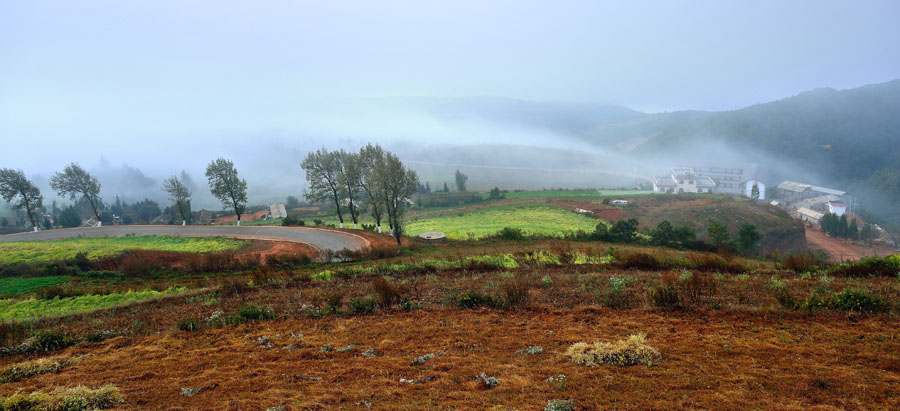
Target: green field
[(534, 218), (18, 286), (52, 250), (574, 194), (32, 309)]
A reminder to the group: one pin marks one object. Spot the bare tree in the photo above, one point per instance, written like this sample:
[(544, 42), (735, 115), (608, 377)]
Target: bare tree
[(21, 193), (180, 195), (74, 180), (398, 184), (370, 156), (225, 185), (323, 170)]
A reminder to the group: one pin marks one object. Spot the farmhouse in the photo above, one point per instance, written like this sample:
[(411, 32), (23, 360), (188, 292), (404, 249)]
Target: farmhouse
[(808, 215), (732, 179), (793, 192), (837, 208), (683, 180)]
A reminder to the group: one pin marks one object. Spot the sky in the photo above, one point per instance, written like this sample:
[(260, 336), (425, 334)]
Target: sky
[(140, 82)]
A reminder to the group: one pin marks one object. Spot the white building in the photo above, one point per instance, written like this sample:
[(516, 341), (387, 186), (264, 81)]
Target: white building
[(748, 188), (837, 208), (729, 180), (683, 180), (277, 210), (808, 215)]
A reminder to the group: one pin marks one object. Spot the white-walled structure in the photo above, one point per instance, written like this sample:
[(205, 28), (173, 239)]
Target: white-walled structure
[(748, 188), (836, 208), (683, 180)]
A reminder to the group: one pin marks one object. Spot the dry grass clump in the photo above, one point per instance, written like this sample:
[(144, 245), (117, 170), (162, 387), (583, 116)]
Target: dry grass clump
[(631, 351), (65, 399), (21, 371)]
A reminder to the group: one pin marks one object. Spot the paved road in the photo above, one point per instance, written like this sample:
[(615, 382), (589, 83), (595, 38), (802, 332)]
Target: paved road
[(319, 238)]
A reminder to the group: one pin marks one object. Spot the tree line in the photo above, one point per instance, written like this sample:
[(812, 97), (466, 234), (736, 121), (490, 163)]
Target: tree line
[(371, 179)]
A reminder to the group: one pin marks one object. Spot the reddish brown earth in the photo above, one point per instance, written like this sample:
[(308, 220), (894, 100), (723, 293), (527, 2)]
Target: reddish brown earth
[(839, 250), (710, 359), (244, 217)]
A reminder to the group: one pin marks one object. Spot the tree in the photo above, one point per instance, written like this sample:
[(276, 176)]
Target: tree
[(225, 185), (179, 194), (685, 235), (624, 231), (446, 189), (323, 169), (370, 158), (867, 233), (461, 180), (4, 222), (754, 191), (853, 230), (69, 217), (397, 184), (717, 233), (74, 180), (843, 226), (21, 193), (293, 201), (663, 234), (349, 179), (495, 193), (747, 237), (147, 210)]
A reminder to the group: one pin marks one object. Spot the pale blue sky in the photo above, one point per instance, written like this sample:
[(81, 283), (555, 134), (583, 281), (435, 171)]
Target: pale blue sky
[(114, 77)]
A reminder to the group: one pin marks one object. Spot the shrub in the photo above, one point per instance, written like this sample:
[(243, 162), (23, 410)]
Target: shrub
[(188, 324), (714, 263), (851, 299), (49, 341), (21, 371), (386, 295), (81, 261), (475, 299), (802, 263), (878, 266), (234, 287), (362, 306), (617, 296), (261, 276), (697, 288), (292, 221), (632, 351), (289, 260), (641, 261), (79, 398), (333, 299), (515, 290), (55, 291), (665, 295), (511, 234), (252, 312)]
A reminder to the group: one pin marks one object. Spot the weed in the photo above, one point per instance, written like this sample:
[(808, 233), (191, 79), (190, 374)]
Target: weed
[(188, 324), (21, 371), (632, 351), (65, 399), (252, 312), (665, 295), (386, 295), (475, 299), (362, 306)]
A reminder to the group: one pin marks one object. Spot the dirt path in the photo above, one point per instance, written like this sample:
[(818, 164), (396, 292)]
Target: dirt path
[(839, 250)]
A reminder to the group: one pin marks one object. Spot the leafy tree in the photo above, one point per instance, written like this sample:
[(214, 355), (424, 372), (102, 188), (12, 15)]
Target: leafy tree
[(74, 180), (853, 230), (69, 217), (349, 179), (495, 192), (180, 195), (754, 191), (397, 183), (146, 210), (225, 185), (717, 233), (624, 231), (323, 170), (47, 223), (21, 193), (370, 157), (867, 233), (685, 235), (461, 180), (747, 237), (4, 222), (293, 201), (663, 234)]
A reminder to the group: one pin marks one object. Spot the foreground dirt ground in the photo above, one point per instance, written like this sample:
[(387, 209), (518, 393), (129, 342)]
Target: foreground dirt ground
[(839, 251), (711, 359)]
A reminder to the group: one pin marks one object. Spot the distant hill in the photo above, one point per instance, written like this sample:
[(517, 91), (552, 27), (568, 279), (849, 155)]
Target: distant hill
[(850, 137)]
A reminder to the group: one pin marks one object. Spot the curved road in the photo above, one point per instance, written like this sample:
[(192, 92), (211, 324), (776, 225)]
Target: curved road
[(319, 238)]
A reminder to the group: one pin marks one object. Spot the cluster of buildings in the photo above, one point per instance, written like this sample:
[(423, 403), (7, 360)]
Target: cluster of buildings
[(807, 201), (713, 180)]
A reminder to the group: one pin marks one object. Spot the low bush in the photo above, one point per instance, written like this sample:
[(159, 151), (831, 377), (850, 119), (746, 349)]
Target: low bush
[(188, 324), (21, 371), (289, 260), (617, 294), (851, 299), (714, 263), (803, 263), (49, 341), (696, 288), (386, 295), (511, 234), (514, 291), (252, 312), (362, 306), (234, 288), (631, 351), (665, 295), (55, 291), (869, 266), (291, 221), (65, 399), (475, 299), (641, 261)]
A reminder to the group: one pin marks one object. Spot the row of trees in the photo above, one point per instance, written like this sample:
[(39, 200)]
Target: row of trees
[(842, 227), (372, 179), (74, 182)]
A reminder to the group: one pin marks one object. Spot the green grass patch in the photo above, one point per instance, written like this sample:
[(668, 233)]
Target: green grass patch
[(37, 252), (19, 286), (575, 194), (32, 309), (545, 219)]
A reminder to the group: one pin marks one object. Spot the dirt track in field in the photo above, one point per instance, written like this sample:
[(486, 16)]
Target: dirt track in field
[(839, 250)]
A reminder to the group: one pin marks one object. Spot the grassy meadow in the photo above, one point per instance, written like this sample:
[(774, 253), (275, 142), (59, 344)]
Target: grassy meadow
[(38, 252), (533, 218), (32, 308), (18, 285)]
